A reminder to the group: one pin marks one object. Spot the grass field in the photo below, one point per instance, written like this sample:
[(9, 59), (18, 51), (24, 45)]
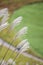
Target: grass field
[(33, 18)]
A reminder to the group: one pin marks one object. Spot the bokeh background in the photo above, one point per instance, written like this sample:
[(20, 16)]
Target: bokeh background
[(15, 4)]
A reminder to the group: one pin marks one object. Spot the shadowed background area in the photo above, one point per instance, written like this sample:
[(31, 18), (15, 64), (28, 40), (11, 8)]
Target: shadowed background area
[(15, 4)]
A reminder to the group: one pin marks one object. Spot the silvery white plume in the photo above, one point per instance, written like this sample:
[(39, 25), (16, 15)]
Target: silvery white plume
[(21, 44), (24, 47), (10, 61), (1, 42), (5, 19), (3, 26), (15, 23), (21, 32), (4, 14), (3, 11)]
